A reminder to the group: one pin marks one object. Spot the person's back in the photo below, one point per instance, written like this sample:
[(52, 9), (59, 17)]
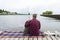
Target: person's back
[(34, 27)]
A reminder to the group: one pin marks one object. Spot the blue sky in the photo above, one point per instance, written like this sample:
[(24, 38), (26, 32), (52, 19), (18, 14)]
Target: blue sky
[(32, 6)]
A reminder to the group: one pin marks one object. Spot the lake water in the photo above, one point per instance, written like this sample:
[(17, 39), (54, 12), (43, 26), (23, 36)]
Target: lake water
[(16, 23)]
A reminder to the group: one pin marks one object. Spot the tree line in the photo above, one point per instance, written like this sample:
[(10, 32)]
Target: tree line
[(7, 12)]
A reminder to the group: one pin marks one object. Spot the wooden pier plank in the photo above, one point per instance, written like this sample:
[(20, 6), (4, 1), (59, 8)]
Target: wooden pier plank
[(12, 39), (48, 38), (2, 38), (16, 38), (35, 38), (30, 38), (57, 38), (26, 38), (21, 39), (44, 38), (53, 38), (7, 39), (39, 38)]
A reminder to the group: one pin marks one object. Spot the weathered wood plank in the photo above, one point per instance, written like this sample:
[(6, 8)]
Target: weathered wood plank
[(57, 38), (44, 38), (16, 38), (39, 38), (53, 38), (26, 38), (35, 38), (2, 38), (21, 39), (12, 39), (30, 38), (48, 38), (7, 39)]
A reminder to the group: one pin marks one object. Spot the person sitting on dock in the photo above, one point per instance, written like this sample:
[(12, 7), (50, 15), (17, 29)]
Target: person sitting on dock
[(34, 26)]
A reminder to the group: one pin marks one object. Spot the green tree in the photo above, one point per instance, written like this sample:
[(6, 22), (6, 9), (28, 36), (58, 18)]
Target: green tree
[(1, 11), (47, 13)]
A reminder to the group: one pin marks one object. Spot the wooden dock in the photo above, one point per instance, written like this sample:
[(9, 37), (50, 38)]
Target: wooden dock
[(32, 38), (48, 36)]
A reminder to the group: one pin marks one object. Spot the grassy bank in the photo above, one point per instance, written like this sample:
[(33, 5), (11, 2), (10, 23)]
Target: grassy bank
[(52, 16)]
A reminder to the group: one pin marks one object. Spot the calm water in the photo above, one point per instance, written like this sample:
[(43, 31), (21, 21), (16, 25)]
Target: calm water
[(16, 23)]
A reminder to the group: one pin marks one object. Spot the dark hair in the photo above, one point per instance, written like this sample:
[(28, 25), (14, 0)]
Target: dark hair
[(34, 15)]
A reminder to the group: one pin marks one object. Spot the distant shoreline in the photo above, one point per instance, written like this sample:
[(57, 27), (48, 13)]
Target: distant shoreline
[(14, 14), (52, 16)]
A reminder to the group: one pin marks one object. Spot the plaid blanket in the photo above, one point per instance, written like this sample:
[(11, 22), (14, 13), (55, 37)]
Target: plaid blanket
[(13, 34), (10, 34)]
